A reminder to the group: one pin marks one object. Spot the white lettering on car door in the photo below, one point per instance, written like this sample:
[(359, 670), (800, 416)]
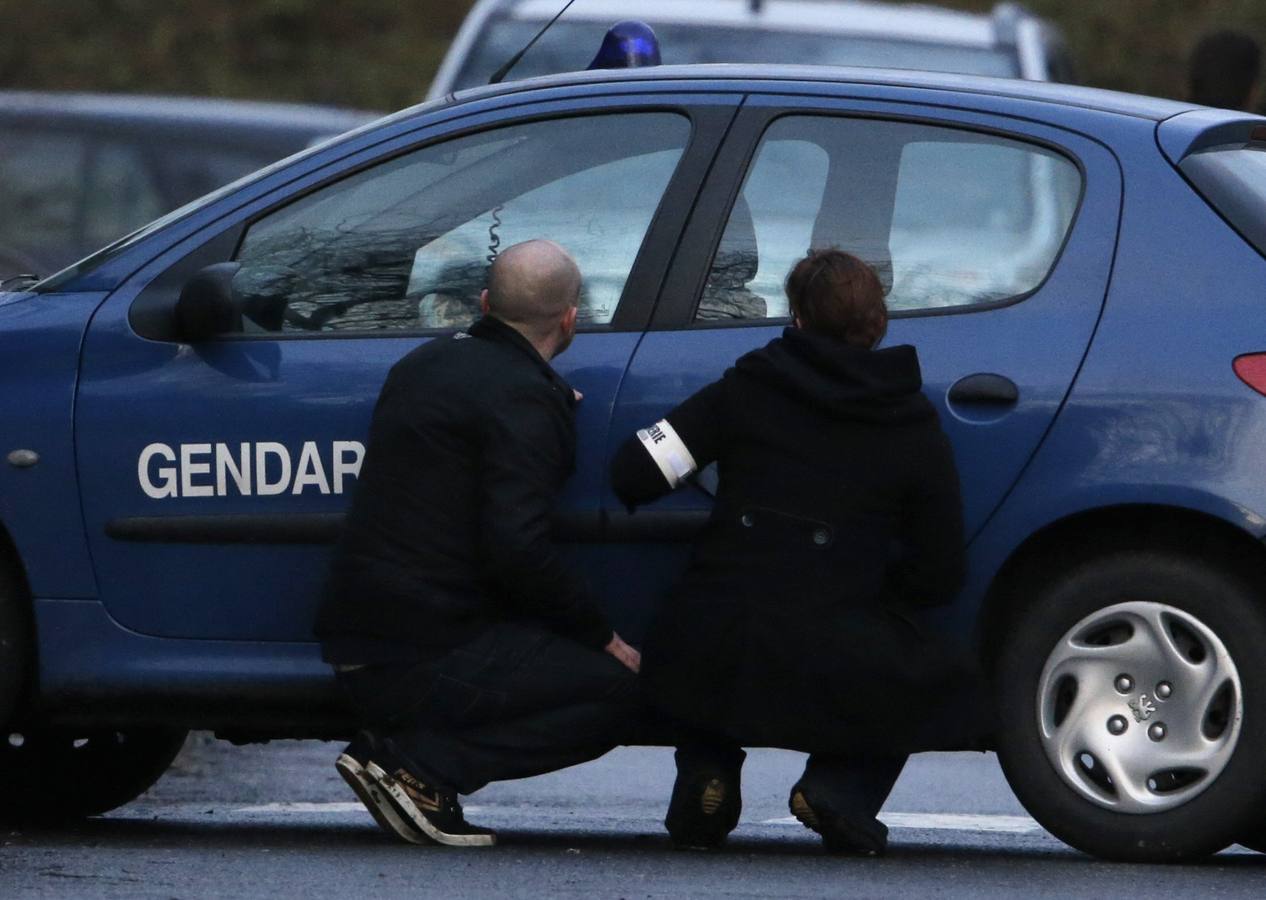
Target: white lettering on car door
[(265, 469), (310, 470), (189, 468), (263, 486), (341, 466), (167, 474), (239, 470)]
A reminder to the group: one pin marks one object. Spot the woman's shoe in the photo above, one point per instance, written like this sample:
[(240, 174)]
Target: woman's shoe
[(704, 809), (840, 833)]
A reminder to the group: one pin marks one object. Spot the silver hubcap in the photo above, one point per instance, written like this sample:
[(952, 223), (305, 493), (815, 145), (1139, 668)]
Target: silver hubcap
[(1139, 707)]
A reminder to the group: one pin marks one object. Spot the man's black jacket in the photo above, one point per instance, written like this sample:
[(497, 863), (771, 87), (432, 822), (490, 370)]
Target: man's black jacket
[(449, 529)]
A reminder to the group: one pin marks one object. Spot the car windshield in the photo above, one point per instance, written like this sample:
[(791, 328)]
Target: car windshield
[(569, 46)]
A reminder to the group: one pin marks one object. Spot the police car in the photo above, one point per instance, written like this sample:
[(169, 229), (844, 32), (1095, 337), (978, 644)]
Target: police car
[(1008, 42), (184, 412)]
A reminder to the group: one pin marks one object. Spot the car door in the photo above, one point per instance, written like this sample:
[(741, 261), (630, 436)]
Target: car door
[(994, 237), (214, 474)]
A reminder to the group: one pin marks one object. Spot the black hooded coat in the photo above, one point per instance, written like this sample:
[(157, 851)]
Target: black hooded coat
[(838, 517)]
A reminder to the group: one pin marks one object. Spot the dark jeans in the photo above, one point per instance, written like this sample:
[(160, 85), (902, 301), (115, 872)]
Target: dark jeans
[(517, 701)]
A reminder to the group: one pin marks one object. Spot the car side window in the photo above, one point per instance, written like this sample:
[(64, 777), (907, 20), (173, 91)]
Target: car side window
[(406, 244), (948, 218)]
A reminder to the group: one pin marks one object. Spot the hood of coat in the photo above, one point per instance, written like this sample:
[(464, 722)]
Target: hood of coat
[(844, 381)]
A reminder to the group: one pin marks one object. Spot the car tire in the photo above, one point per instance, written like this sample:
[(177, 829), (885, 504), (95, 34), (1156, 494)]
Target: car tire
[(1082, 723), (15, 641), (51, 776)]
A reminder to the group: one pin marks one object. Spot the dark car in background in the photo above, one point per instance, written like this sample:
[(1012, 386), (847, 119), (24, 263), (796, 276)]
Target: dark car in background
[(78, 171), (1008, 42)]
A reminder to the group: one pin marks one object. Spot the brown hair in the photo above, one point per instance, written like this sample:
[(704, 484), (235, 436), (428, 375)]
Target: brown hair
[(834, 293)]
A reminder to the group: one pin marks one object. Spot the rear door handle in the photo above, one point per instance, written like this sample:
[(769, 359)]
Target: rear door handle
[(985, 387)]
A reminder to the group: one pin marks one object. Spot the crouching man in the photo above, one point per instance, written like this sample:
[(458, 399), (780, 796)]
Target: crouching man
[(470, 651)]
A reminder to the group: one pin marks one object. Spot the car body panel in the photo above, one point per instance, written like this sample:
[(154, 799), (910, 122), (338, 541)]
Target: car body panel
[(1158, 416), (39, 504), (306, 402), (92, 669)]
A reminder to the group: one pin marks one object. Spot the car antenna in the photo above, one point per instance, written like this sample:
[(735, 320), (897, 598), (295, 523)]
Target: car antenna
[(501, 73)]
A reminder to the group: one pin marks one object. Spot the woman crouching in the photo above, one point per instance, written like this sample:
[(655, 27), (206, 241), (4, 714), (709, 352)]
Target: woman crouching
[(838, 514)]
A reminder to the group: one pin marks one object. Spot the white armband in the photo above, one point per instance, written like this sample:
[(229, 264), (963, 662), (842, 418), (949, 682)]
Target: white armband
[(668, 451)]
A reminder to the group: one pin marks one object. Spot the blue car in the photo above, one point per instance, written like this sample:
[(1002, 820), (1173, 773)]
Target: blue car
[(184, 412)]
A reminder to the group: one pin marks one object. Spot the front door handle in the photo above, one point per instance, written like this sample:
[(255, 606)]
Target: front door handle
[(985, 387)]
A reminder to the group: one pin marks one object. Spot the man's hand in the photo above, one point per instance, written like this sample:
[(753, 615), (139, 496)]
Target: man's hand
[(579, 396), (628, 656)]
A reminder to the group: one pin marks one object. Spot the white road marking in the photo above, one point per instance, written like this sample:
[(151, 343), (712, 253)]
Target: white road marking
[(333, 807), (945, 822), (340, 807), (997, 824)]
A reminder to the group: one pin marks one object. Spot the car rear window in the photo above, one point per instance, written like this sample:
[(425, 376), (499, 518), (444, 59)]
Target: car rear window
[(1233, 179)]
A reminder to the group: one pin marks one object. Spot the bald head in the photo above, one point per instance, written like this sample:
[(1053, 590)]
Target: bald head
[(532, 286)]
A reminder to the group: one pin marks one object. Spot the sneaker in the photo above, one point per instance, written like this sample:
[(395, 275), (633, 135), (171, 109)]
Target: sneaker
[(351, 765), (840, 834), (433, 811), (704, 809)]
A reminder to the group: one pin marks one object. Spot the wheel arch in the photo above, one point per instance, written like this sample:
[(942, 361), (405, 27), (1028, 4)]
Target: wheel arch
[(1078, 536), (23, 616), (10, 558)]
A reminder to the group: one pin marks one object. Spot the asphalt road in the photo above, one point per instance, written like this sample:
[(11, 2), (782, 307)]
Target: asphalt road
[(277, 821)]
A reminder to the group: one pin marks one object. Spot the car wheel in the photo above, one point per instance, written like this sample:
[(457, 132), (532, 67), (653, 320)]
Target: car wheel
[(52, 776), (1132, 705), (15, 642)]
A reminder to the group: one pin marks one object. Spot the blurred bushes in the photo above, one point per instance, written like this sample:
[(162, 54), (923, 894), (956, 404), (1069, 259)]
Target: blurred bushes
[(380, 54), (1139, 45), (375, 54)]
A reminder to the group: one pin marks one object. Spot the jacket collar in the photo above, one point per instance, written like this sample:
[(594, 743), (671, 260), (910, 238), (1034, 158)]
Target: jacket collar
[(490, 328)]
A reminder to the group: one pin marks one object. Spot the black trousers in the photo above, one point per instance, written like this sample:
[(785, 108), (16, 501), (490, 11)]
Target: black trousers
[(517, 701), (853, 786)]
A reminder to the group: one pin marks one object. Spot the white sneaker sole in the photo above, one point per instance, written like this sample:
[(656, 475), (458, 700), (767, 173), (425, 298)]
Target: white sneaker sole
[(370, 794), (405, 807)]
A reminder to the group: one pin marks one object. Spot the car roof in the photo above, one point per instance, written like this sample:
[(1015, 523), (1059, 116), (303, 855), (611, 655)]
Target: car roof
[(887, 20), (144, 110), (738, 77)]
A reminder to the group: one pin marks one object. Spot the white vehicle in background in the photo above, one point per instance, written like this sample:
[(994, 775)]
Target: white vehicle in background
[(1010, 42)]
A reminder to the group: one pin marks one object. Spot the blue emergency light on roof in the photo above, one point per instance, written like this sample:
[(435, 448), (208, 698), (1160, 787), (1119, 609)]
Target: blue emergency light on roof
[(627, 45)]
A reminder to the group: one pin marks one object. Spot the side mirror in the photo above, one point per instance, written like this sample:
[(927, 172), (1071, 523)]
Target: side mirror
[(207, 306)]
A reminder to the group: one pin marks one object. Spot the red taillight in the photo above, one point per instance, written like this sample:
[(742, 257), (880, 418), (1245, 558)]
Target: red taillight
[(1251, 367)]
